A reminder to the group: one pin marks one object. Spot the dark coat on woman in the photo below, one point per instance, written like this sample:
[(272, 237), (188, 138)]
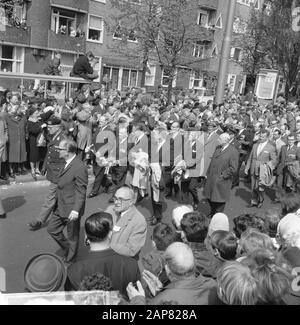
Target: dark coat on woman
[(36, 153), (223, 167), (17, 135)]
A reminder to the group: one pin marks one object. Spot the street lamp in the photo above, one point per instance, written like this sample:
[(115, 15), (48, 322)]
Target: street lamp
[(223, 67)]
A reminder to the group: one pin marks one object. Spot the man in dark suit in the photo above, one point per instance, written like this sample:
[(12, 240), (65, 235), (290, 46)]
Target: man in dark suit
[(70, 200), (289, 155), (263, 153), (52, 166), (223, 167)]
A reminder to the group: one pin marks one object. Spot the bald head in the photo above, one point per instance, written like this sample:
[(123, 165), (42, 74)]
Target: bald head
[(224, 139), (180, 260)]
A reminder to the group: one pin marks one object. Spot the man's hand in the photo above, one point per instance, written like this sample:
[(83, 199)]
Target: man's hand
[(132, 291), (153, 282), (73, 216)]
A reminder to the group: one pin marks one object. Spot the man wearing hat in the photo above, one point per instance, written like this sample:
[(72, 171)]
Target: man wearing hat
[(52, 167)]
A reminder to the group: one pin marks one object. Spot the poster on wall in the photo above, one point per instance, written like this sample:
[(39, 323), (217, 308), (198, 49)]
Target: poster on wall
[(266, 84)]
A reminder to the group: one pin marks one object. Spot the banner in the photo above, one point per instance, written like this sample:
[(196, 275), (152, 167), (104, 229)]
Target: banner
[(266, 84)]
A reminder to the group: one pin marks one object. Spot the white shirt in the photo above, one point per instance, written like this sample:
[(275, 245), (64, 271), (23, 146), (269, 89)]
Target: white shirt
[(68, 161), (260, 147)]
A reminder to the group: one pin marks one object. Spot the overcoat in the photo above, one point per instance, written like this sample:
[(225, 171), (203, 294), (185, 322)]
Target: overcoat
[(222, 168), (17, 135)]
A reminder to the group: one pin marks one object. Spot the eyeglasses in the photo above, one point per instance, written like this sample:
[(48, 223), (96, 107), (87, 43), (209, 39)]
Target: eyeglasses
[(60, 149), (120, 199)]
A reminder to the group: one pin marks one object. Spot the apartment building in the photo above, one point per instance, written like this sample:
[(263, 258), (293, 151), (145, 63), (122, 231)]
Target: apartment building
[(33, 29)]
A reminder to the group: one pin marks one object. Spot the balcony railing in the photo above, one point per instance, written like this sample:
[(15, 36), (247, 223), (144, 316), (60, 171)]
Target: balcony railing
[(14, 34), (209, 4), (76, 5), (66, 42)]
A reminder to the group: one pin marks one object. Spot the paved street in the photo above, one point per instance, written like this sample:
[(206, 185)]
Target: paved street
[(23, 201)]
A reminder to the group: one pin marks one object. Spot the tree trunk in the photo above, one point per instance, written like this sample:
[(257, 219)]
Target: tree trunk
[(145, 66)]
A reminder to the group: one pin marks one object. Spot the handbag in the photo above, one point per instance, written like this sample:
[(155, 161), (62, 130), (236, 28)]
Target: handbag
[(41, 140)]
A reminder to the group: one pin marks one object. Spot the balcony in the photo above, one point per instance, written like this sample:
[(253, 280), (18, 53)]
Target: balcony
[(209, 4), (16, 35), (66, 42), (206, 33), (75, 5)]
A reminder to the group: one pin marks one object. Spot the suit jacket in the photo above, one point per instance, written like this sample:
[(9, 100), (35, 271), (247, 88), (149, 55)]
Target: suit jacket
[(129, 233), (53, 163), (71, 188), (268, 154), (223, 167), (287, 156)]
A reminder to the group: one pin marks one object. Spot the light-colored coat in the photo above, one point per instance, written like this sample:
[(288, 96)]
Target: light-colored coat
[(129, 232), (3, 140)]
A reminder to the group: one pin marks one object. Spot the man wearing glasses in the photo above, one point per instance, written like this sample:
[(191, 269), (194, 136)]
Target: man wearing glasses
[(52, 165), (130, 227), (70, 200)]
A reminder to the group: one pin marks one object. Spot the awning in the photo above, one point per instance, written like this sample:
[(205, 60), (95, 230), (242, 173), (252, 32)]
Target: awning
[(121, 63), (70, 5)]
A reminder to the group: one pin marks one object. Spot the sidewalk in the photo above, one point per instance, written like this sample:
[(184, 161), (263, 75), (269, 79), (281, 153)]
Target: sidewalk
[(25, 179)]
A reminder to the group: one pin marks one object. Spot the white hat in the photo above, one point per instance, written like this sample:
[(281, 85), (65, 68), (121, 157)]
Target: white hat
[(218, 222), (178, 213)]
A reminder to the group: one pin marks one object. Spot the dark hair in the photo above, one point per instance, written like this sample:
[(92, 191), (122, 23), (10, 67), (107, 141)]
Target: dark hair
[(272, 218), (98, 225), (245, 221), (225, 242), (290, 203), (265, 131), (90, 54), (96, 282), (194, 226), (163, 236), (277, 130)]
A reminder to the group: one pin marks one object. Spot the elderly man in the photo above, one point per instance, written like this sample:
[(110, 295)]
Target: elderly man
[(130, 226), (222, 169), (263, 155), (184, 288), (70, 200)]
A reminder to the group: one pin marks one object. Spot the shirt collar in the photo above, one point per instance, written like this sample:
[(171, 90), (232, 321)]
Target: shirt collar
[(68, 161)]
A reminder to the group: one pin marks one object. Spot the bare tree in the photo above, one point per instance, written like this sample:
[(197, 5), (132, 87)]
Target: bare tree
[(166, 31)]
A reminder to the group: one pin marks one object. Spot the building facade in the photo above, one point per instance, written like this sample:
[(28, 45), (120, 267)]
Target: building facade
[(33, 30)]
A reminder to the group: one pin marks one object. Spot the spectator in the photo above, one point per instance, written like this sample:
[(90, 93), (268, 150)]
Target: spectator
[(83, 68), (273, 276), (101, 258), (194, 227), (236, 284), (245, 221), (163, 236), (130, 227), (185, 287), (224, 245)]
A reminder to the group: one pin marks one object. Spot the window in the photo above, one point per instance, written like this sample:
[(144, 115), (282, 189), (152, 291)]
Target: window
[(202, 18), (199, 50), (132, 36), (215, 52), (219, 22), (150, 75), (231, 81), (236, 54), (195, 80), (63, 22), (11, 59), (95, 29), (165, 78), (118, 32), (255, 3)]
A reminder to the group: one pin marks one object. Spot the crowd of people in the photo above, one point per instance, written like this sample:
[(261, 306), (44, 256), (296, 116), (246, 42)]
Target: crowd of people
[(140, 147)]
